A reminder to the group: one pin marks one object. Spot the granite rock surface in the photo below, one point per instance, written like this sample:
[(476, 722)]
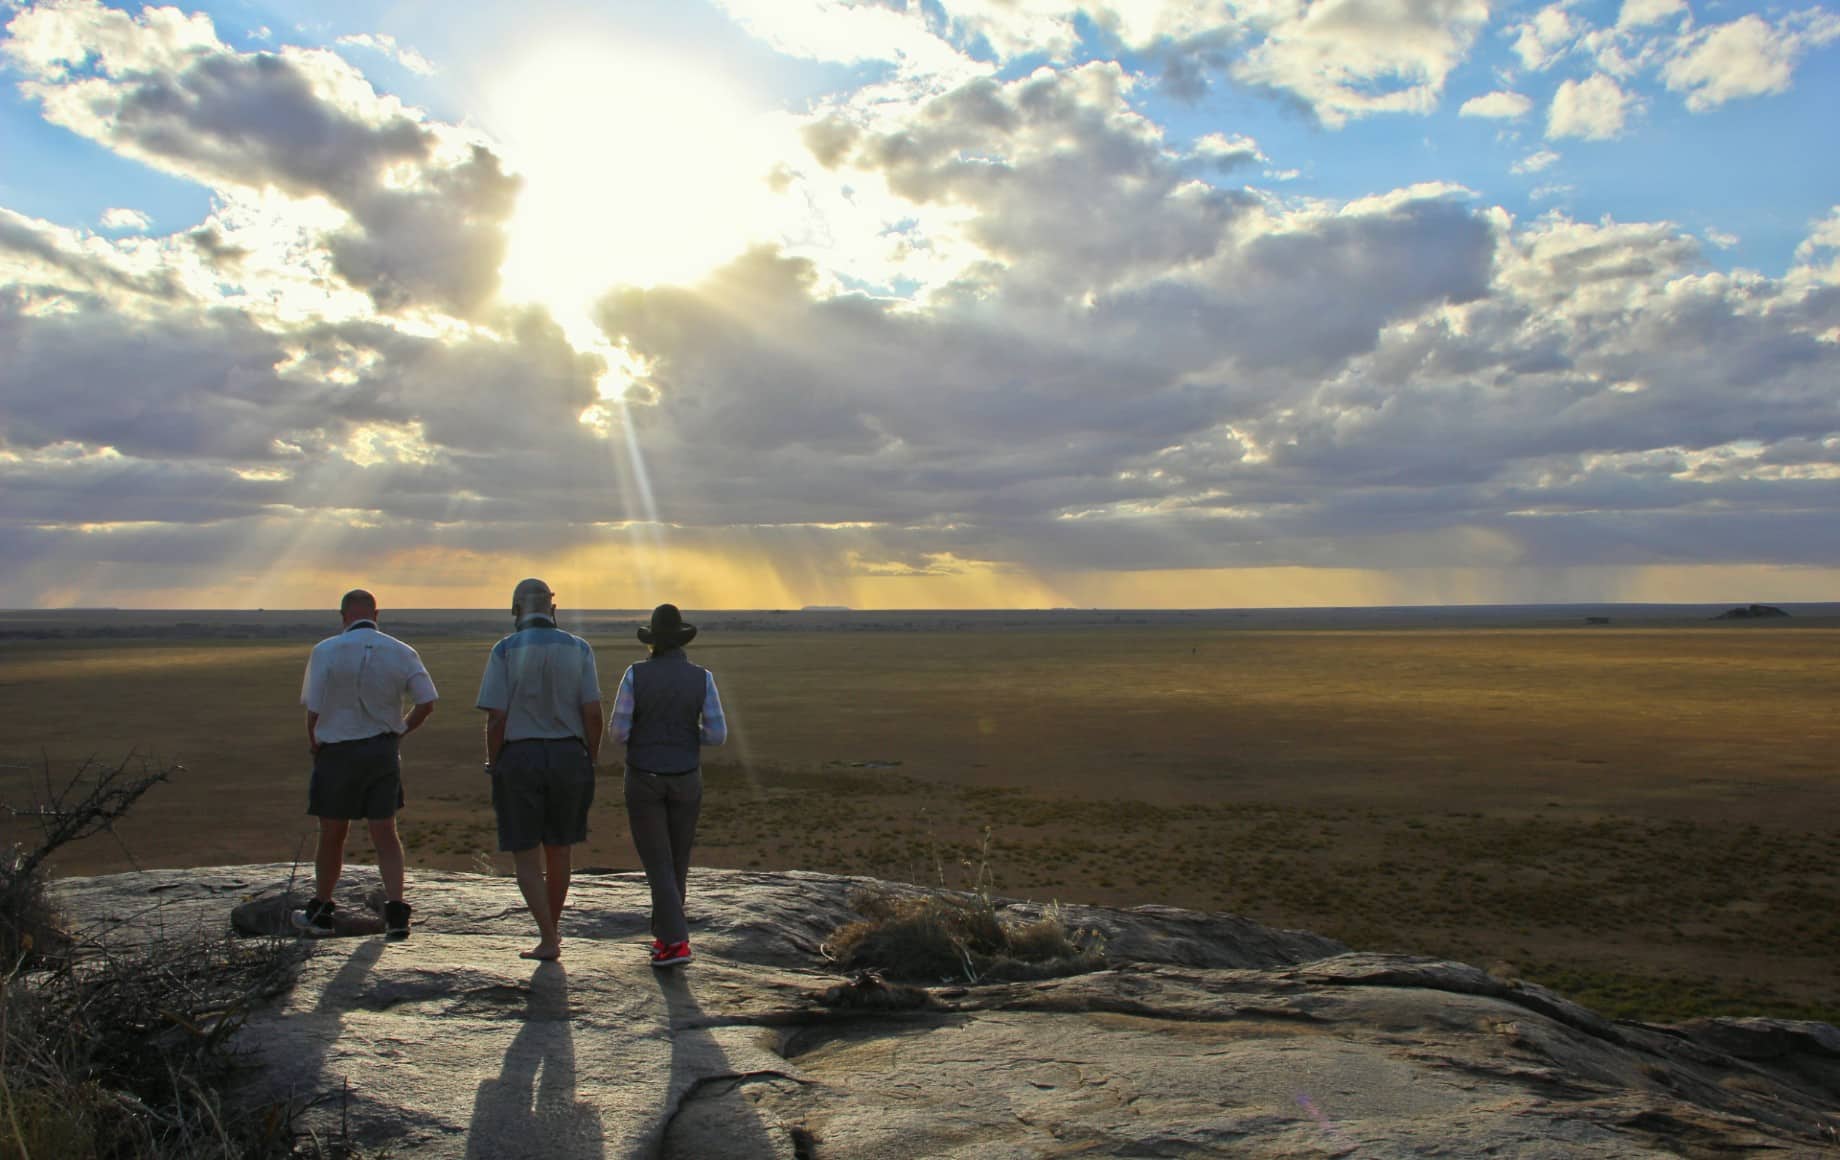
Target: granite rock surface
[(1205, 1035)]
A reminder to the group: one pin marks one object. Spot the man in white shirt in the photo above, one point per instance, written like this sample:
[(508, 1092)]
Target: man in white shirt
[(354, 690)]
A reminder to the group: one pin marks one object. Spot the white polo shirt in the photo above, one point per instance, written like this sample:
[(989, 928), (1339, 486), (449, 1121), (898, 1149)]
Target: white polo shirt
[(356, 682)]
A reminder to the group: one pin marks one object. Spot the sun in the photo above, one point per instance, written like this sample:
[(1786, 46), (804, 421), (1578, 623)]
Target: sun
[(637, 170)]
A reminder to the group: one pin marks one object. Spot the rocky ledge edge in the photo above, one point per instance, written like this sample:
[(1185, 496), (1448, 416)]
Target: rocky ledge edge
[(1205, 1035)]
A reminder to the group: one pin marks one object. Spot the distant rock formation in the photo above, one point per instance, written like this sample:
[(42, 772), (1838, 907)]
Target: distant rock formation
[(825, 608), (1750, 612), (1205, 1035)]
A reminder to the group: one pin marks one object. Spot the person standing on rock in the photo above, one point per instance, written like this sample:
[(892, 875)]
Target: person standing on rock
[(666, 710), (354, 690), (542, 698)]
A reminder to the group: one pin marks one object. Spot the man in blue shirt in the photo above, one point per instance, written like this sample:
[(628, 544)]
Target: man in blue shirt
[(542, 699)]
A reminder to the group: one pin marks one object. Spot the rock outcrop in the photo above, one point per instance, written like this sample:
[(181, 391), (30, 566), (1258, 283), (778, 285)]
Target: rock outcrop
[(1206, 1035), (1751, 612)]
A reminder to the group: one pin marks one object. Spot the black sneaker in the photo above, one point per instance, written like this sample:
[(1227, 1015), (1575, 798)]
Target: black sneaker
[(316, 919), (396, 919)]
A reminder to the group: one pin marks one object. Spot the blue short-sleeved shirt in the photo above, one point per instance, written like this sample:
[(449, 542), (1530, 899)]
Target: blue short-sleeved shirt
[(540, 677)]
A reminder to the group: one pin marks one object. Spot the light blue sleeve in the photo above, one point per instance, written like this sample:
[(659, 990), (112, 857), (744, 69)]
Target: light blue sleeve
[(623, 708), (715, 725), (590, 675)]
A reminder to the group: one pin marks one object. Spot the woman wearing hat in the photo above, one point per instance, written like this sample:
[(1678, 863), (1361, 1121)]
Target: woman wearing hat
[(665, 712)]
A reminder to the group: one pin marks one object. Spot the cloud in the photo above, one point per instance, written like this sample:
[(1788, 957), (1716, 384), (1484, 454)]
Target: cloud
[(408, 58), (1026, 338), (125, 219), (1643, 13), (1055, 171), (1823, 240), (1535, 162), (1500, 105), (1009, 407), (1594, 109), (1345, 59), (841, 30), (1748, 57), (35, 252), (1542, 40), (1228, 152), (426, 207)]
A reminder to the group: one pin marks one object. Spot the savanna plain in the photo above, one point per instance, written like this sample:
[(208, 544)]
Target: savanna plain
[(1640, 814)]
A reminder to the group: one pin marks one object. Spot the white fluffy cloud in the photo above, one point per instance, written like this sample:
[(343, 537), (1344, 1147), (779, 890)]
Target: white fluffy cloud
[(851, 31), (1498, 105), (1595, 109), (1642, 13), (410, 59), (119, 218), (1541, 40), (1349, 59), (1535, 162), (1748, 57), (425, 206), (1342, 59)]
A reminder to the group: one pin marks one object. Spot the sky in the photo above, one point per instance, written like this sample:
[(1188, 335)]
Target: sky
[(937, 304)]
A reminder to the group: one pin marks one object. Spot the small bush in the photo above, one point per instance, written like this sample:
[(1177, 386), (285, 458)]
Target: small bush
[(129, 1054), (29, 929), (125, 1052), (935, 937)]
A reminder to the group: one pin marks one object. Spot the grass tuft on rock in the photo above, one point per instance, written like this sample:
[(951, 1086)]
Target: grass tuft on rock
[(958, 937)]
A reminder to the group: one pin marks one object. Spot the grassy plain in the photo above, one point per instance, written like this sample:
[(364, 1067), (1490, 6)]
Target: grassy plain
[(1642, 817)]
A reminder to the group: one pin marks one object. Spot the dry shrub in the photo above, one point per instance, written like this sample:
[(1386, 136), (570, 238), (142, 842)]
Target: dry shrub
[(113, 1051), (937, 937), (129, 1053), (29, 928)]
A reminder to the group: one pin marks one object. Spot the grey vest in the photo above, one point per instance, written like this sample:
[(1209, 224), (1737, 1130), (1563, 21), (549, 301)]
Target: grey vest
[(668, 693)]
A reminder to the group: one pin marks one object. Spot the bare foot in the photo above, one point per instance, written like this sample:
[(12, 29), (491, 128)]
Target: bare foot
[(543, 952)]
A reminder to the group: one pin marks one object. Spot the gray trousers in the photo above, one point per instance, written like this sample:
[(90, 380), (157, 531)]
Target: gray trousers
[(662, 812)]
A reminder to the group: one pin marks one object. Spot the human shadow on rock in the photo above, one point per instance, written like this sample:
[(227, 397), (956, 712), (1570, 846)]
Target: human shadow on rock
[(530, 1108), (707, 1112), (325, 1022)]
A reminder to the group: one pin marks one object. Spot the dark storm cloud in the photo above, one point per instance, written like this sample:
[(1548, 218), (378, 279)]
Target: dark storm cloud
[(200, 385), (75, 489), (985, 408)]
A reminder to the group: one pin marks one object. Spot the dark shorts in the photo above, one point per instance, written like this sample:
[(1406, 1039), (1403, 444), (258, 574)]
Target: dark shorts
[(541, 791), (357, 779)]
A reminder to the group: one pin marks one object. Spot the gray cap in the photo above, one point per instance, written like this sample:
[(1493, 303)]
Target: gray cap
[(531, 595)]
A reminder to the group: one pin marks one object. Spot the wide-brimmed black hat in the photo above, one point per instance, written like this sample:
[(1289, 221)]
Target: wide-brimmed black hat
[(667, 629)]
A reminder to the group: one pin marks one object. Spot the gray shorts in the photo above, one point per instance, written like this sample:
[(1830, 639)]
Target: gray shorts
[(541, 791), (357, 779)]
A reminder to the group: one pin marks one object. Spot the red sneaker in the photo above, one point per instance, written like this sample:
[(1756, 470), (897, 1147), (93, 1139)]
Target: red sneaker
[(670, 955)]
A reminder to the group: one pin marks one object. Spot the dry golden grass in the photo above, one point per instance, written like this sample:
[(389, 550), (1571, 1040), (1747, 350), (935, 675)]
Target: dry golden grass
[(1642, 816)]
